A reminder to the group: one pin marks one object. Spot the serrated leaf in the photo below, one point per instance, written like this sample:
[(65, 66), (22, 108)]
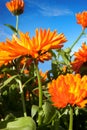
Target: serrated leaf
[(8, 81), (34, 110)]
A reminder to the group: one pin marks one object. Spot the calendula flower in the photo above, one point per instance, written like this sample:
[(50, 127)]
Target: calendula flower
[(82, 19), (64, 69), (3, 75), (27, 95), (43, 75), (68, 89), (43, 57), (80, 60), (26, 61), (4, 57), (16, 7), (37, 47), (43, 41)]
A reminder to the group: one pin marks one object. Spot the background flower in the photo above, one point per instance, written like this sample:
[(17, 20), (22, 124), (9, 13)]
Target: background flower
[(68, 89), (15, 6), (82, 19), (80, 59)]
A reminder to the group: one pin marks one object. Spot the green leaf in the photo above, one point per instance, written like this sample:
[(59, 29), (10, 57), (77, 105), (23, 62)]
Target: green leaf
[(10, 117), (65, 57), (3, 125), (28, 81), (56, 125), (8, 81), (22, 123), (54, 68), (11, 27), (49, 112), (34, 110)]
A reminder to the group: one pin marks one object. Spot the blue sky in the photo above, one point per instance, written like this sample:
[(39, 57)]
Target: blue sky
[(53, 14)]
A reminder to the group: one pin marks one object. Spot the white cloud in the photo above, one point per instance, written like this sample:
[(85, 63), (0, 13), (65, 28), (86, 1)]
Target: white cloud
[(48, 9)]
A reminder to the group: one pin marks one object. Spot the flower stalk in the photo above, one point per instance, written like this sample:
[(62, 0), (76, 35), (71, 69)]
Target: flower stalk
[(23, 102), (71, 119), (40, 93), (17, 20), (22, 97), (77, 39)]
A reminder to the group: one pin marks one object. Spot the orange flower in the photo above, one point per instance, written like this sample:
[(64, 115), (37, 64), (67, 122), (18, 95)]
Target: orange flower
[(15, 6), (38, 47), (26, 61), (4, 57), (80, 58), (27, 95), (64, 69), (46, 56), (41, 43), (43, 76), (68, 89), (82, 19), (2, 76)]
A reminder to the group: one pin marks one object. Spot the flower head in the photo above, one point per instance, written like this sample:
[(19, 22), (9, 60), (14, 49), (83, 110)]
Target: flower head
[(41, 43), (82, 19), (37, 47), (15, 6), (80, 59), (68, 89)]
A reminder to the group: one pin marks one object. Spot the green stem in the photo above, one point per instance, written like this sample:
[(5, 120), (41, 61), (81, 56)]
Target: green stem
[(22, 97), (23, 102), (17, 19), (40, 93), (77, 39), (71, 119)]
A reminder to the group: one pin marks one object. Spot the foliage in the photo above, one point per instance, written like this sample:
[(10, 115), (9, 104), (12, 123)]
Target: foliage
[(25, 102)]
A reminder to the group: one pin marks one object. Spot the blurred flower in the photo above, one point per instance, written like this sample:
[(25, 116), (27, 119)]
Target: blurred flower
[(68, 89), (26, 61), (80, 59), (26, 71), (27, 95), (15, 6), (64, 69), (82, 19), (43, 57), (43, 75), (2, 76), (37, 47)]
